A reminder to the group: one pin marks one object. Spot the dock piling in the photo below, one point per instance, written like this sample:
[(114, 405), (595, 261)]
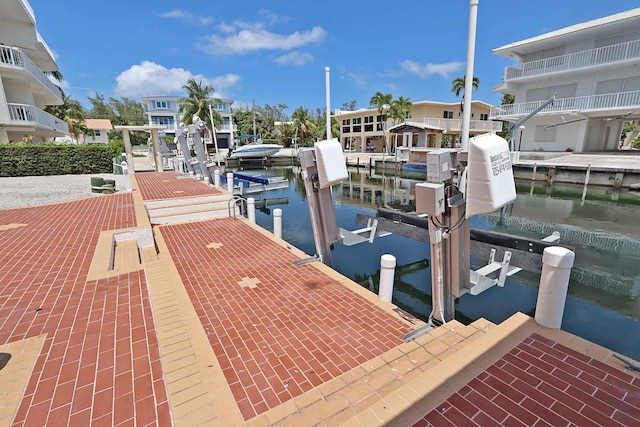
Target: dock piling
[(230, 182), (387, 273), (554, 283), (251, 209), (277, 223)]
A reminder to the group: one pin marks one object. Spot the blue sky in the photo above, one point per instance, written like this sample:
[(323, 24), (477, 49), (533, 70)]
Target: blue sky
[(275, 52)]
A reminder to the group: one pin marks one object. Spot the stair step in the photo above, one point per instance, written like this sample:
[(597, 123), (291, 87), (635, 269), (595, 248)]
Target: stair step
[(187, 209), (196, 216), (126, 256), (159, 204)]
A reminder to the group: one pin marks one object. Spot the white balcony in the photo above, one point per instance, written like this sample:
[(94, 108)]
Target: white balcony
[(13, 58), (572, 61), (581, 104), (455, 125), (23, 114), (227, 128)]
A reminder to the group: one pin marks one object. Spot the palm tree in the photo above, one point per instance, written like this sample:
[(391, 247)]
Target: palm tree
[(197, 103), (379, 100), (72, 113), (303, 120), (400, 109), (457, 85)]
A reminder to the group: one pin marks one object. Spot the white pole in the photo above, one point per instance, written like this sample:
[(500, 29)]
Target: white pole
[(277, 223), (327, 73), (554, 283), (387, 273), (230, 182), (251, 209), (468, 79), (213, 135), (216, 178), (127, 177)]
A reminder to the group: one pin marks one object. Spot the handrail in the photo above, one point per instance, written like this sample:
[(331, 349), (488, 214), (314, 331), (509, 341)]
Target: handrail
[(235, 199), (570, 61), (17, 58)]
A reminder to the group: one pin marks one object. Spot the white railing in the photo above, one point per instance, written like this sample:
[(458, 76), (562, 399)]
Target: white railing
[(24, 113), (17, 58), (227, 128), (585, 58), (455, 125), (580, 103)]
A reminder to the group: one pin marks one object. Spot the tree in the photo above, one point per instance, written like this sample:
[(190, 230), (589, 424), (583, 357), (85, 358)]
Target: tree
[(101, 109), (304, 122), (349, 106), (457, 85), (197, 103), (507, 99), (379, 100), (72, 113), (400, 109)]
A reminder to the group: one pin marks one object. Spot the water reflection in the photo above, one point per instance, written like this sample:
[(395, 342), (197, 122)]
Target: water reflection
[(603, 227)]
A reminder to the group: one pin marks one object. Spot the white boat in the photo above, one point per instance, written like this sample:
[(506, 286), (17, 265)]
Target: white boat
[(256, 149)]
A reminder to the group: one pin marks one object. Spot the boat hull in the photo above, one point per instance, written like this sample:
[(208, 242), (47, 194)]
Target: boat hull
[(259, 151)]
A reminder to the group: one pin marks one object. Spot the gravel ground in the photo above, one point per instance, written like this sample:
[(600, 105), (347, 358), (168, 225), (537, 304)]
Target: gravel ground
[(20, 192)]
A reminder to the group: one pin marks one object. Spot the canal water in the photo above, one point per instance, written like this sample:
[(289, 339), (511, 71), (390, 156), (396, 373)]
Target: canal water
[(603, 304)]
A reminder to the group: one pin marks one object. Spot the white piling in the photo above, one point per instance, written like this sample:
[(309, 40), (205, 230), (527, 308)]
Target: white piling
[(206, 179), (127, 177), (554, 283), (277, 223), (230, 182), (387, 273), (216, 178), (251, 209)]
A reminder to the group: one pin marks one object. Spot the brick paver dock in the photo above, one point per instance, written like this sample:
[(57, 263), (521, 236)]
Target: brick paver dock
[(110, 321)]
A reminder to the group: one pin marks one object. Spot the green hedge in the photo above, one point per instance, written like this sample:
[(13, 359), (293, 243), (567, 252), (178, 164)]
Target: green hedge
[(54, 159)]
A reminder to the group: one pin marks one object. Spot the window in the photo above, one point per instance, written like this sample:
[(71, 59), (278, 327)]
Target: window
[(158, 120), (545, 134), (96, 133), (346, 129), (162, 104), (368, 128), (484, 116), (380, 118), (448, 115), (357, 128), (368, 119), (544, 93), (346, 122), (357, 120), (220, 107)]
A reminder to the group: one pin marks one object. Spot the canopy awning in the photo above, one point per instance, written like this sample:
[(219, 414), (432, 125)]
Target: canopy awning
[(415, 127)]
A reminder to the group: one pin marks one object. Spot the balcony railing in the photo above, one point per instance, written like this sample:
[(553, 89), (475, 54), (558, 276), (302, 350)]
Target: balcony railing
[(227, 128), (606, 101), (28, 114), (571, 61), (455, 125), (16, 58)]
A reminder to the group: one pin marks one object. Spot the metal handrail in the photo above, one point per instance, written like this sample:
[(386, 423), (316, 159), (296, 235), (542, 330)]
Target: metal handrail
[(235, 199)]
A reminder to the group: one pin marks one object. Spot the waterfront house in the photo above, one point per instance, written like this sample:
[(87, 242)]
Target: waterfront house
[(100, 128), (25, 89), (164, 111), (367, 130), (591, 67)]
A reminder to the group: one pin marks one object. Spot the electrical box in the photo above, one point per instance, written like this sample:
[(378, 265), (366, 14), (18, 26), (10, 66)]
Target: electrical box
[(439, 165), (490, 183), (332, 168), (430, 198)]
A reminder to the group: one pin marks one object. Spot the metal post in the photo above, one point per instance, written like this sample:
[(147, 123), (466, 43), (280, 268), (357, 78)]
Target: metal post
[(157, 153), (327, 73), (277, 223), (554, 284), (213, 135), (387, 274), (468, 80), (230, 182), (251, 209), (182, 133), (198, 144)]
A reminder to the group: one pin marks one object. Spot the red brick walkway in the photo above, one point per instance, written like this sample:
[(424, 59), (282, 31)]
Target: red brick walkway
[(276, 329), (543, 383), (100, 361), (167, 185)]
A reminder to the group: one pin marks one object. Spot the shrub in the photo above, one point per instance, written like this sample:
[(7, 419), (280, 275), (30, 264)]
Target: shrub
[(54, 159)]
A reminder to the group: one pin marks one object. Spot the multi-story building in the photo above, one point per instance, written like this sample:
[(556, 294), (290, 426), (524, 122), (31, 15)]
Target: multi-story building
[(593, 68), (164, 111), (25, 89), (367, 129)]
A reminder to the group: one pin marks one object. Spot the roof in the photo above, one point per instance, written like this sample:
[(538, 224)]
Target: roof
[(98, 123), (589, 25), (409, 126), (375, 111)]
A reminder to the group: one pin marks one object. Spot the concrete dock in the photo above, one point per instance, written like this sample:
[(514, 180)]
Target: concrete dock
[(112, 320)]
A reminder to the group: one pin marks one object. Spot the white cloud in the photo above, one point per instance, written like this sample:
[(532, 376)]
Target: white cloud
[(360, 80), (151, 79), (294, 58), (241, 37), (426, 70), (181, 15)]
